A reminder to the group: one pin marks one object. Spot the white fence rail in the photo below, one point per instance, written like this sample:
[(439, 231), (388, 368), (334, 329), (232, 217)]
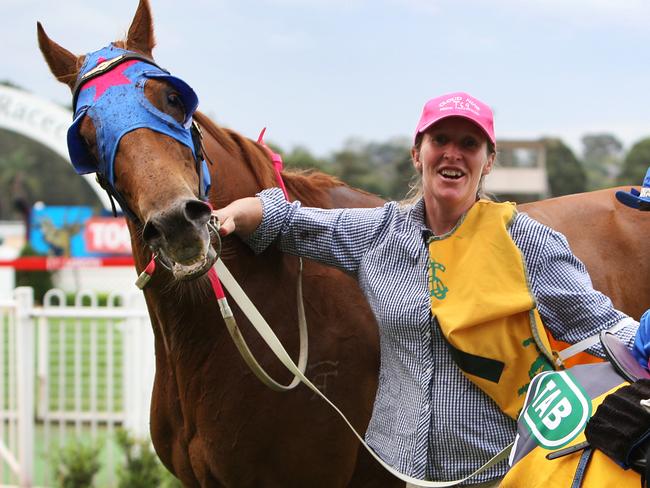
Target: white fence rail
[(70, 372)]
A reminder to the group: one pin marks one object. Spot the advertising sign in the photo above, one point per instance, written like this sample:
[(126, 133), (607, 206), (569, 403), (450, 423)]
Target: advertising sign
[(76, 232)]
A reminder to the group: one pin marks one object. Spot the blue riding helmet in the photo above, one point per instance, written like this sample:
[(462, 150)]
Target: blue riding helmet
[(116, 103), (635, 198)]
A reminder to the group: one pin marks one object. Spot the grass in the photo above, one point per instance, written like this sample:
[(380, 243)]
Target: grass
[(61, 364)]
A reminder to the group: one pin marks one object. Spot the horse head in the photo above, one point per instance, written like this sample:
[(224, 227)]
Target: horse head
[(133, 127)]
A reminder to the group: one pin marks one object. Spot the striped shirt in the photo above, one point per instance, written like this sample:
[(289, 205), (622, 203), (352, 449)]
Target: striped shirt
[(429, 421)]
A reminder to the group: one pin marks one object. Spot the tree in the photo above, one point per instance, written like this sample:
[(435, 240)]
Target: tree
[(30, 172), (383, 168), (301, 158), (602, 158), (636, 163), (19, 182), (405, 177), (565, 173)]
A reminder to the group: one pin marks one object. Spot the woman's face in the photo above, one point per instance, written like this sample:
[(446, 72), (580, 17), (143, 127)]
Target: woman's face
[(452, 158)]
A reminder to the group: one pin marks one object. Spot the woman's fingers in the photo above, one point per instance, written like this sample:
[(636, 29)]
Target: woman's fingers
[(241, 216), (227, 226), (226, 222)]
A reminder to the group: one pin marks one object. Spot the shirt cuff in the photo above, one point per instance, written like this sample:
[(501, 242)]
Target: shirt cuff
[(275, 212)]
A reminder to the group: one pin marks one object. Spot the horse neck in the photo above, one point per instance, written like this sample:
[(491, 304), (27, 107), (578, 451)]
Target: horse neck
[(239, 167)]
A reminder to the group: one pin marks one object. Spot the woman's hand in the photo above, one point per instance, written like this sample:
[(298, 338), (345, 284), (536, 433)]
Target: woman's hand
[(242, 217)]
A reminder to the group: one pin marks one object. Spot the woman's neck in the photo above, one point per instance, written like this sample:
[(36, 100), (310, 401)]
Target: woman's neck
[(441, 219)]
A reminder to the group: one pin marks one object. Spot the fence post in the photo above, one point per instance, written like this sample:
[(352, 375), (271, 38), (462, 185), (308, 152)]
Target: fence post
[(139, 370), (24, 297)]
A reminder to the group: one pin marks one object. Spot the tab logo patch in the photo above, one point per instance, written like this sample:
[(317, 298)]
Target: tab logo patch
[(558, 411)]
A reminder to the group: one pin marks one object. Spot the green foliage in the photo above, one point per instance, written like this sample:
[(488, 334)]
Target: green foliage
[(40, 281), (76, 464), (602, 158), (565, 173), (142, 469), (300, 158), (102, 299), (636, 164), (381, 168)]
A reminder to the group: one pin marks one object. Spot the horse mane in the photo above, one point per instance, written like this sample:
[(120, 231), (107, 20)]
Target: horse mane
[(310, 187)]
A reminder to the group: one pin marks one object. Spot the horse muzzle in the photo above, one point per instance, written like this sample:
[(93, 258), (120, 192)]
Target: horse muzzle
[(180, 237)]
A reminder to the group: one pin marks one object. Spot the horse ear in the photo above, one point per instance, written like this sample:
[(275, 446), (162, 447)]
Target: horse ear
[(63, 64), (140, 37)]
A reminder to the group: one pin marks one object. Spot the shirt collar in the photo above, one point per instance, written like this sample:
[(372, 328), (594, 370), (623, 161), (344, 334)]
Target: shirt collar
[(415, 218)]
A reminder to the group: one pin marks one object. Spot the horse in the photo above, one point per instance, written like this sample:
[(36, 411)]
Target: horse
[(212, 423), (608, 238)]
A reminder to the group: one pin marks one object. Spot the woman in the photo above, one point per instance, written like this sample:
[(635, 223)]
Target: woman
[(458, 286)]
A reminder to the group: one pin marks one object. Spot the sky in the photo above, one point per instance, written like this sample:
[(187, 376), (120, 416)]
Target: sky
[(320, 72)]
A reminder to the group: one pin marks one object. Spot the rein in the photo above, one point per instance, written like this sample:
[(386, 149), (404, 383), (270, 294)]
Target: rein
[(219, 274)]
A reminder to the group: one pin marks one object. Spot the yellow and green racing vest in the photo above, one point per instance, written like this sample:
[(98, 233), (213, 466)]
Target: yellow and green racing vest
[(481, 298)]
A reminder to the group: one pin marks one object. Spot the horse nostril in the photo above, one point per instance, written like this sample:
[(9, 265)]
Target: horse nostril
[(197, 211), (151, 234)]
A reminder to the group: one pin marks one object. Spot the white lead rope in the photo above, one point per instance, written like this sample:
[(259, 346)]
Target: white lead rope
[(256, 318), (275, 345)]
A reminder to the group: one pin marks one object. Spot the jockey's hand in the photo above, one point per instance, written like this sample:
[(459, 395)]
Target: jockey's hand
[(641, 348), (242, 217), (621, 425)]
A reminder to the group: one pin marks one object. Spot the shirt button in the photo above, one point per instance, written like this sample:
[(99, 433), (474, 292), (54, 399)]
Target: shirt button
[(428, 370)]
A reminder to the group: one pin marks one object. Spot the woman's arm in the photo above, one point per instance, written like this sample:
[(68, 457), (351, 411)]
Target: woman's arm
[(570, 307), (337, 237)]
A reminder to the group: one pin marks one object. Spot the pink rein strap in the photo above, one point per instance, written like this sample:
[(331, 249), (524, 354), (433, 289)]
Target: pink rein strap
[(277, 166), (277, 163)]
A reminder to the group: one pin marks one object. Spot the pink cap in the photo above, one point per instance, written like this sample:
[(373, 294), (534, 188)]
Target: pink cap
[(457, 104)]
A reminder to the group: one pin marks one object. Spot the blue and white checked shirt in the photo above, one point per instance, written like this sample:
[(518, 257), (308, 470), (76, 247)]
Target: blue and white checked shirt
[(429, 421)]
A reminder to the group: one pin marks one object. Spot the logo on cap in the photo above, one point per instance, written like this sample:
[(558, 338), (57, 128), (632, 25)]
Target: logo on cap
[(460, 103)]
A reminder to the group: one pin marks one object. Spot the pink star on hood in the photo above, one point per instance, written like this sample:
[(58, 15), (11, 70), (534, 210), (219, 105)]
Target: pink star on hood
[(113, 78)]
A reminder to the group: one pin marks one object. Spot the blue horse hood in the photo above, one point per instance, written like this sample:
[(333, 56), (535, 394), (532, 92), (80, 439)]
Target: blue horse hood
[(117, 105)]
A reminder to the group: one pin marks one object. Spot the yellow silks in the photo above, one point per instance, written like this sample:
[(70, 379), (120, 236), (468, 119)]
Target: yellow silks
[(482, 301)]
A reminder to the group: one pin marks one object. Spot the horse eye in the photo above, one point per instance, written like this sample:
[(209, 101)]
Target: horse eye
[(174, 100), (175, 106)]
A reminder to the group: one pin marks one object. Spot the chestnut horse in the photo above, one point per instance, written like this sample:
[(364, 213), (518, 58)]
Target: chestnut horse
[(212, 422)]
